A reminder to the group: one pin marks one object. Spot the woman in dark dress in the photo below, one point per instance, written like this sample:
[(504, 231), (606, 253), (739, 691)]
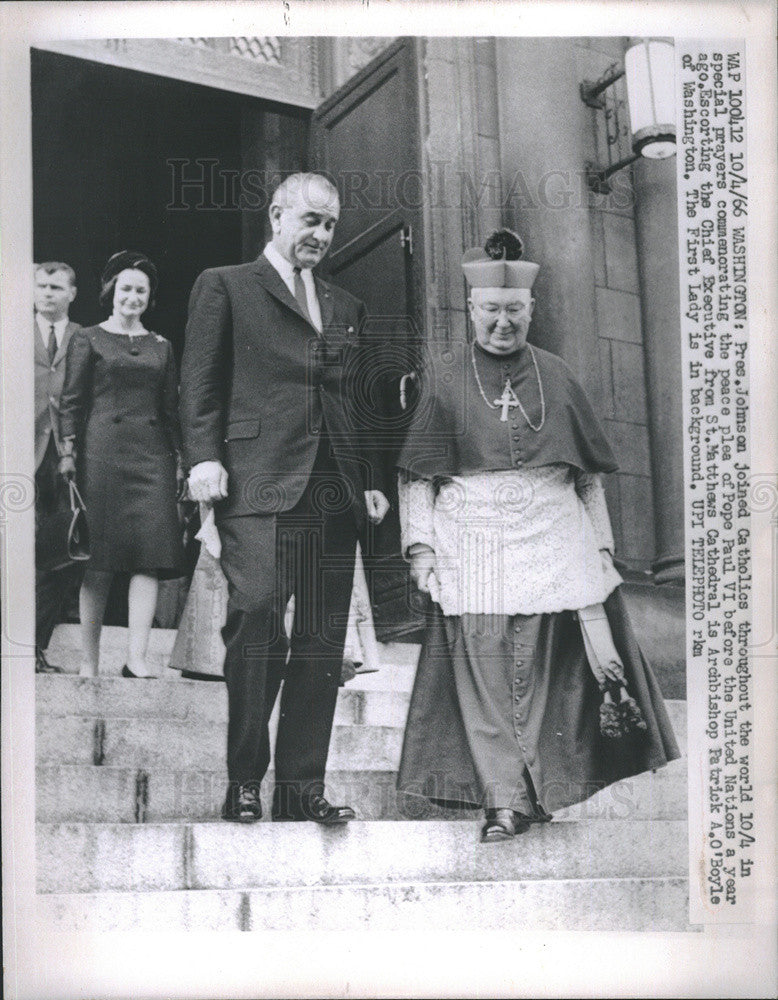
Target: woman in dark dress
[(121, 438)]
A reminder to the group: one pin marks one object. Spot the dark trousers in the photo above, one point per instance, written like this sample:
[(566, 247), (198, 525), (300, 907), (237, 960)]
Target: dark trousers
[(307, 551), (53, 588)]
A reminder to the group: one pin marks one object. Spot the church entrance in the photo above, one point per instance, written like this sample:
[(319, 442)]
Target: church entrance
[(125, 159), (130, 160)]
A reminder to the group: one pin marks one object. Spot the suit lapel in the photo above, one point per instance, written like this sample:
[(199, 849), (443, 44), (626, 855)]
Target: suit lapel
[(326, 302), (276, 285), (62, 350), (41, 351), (41, 354)]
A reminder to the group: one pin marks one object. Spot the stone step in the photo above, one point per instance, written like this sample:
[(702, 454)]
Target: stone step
[(661, 794), (84, 793), (199, 703), (162, 857), (178, 745), (608, 904), (361, 701), (181, 745), (64, 649), (398, 659), (89, 794), (203, 703)]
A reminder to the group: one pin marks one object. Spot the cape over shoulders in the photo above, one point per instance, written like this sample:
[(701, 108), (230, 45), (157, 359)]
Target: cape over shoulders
[(441, 350), (551, 360), (446, 354), (441, 440)]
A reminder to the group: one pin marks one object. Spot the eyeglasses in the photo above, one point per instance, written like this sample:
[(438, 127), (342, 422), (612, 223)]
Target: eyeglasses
[(513, 311)]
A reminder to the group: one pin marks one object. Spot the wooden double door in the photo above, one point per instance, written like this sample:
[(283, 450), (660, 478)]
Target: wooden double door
[(367, 136)]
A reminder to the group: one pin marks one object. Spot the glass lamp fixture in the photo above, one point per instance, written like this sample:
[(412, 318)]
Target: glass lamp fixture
[(650, 69), (649, 66)]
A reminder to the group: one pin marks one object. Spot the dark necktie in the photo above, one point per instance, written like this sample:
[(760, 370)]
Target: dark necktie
[(300, 295), (52, 345)]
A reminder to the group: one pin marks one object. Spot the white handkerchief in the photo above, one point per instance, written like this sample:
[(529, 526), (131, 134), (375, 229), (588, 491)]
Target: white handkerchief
[(434, 586), (208, 533)]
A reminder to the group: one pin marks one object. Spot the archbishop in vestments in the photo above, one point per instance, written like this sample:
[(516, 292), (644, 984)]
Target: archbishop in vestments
[(531, 692)]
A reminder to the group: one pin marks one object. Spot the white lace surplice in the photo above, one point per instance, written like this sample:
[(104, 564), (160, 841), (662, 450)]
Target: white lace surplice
[(524, 541)]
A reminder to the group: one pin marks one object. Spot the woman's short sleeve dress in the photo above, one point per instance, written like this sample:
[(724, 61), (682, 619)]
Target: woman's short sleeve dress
[(120, 403)]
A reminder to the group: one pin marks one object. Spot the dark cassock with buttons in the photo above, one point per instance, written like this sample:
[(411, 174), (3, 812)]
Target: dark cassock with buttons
[(500, 479)]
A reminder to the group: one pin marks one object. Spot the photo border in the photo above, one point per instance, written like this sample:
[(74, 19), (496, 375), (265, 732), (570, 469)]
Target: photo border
[(726, 960)]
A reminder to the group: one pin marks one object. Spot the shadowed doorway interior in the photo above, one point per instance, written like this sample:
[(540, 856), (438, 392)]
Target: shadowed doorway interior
[(111, 147)]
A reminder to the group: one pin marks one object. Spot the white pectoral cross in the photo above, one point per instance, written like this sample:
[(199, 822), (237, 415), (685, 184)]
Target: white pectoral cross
[(507, 399)]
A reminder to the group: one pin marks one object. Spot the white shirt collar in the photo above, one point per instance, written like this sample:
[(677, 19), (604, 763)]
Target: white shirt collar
[(44, 325), (286, 271), (284, 267)]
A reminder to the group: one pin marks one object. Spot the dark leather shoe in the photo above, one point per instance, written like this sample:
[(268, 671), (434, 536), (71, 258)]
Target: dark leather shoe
[(538, 816), (315, 808), (242, 804), (42, 665), (320, 810), (502, 824), (126, 672)]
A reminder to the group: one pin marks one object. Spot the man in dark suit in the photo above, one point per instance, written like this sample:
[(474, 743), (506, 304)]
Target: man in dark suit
[(270, 412), (55, 289)]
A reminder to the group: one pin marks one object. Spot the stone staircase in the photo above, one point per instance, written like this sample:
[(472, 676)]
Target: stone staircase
[(130, 779)]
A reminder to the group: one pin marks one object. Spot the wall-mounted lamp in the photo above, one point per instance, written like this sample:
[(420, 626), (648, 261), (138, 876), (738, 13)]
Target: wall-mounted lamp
[(649, 66)]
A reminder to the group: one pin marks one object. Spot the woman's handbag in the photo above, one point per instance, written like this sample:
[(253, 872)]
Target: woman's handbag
[(63, 537)]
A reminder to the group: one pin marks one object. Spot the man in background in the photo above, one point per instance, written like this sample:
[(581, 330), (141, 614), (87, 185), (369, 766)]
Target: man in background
[(55, 289)]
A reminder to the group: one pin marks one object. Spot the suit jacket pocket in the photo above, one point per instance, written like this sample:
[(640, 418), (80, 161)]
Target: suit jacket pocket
[(340, 332), (239, 430)]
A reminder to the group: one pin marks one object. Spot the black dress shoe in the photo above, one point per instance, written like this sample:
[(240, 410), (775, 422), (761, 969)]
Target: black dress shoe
[(195, 675), (317, 809), (126, 672), (538, 816), (320, 810), (502, 824), (242, 804), (42, 665)]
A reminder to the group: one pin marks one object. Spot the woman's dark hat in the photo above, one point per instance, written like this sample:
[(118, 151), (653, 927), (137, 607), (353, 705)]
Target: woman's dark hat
[(498, 264), (130, 259)]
